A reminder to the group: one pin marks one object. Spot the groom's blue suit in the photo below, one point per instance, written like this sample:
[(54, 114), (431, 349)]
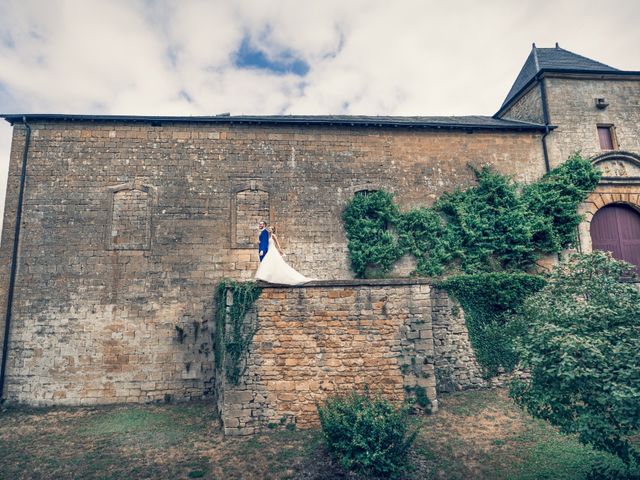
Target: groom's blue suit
[(263, 244)]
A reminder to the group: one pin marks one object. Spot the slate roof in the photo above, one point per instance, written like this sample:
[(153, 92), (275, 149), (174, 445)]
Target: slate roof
[(554, 60), (469, 122)]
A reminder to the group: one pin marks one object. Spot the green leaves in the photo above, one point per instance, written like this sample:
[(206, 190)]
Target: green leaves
[(496, 225), (231, 344), (583, 350), (368, 435), (489, 301), (367, 219)]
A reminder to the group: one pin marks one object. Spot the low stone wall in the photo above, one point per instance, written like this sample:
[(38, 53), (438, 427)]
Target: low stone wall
[(327, 338)]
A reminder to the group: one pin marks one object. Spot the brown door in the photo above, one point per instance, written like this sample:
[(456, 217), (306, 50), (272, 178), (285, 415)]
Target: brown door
[(616, 228)]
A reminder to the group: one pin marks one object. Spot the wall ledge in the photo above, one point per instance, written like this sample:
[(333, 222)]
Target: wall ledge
[(355, 282)]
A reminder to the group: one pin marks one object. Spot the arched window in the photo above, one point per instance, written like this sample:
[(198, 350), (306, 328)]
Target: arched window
[(364, 193), (616, 228), (252, 206), (130, 217), (250, 203)]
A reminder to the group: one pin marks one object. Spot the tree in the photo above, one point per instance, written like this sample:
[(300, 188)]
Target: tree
[(582, 347)]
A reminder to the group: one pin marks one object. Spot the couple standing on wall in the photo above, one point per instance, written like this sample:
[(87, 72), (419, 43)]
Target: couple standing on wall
[(273, 268)]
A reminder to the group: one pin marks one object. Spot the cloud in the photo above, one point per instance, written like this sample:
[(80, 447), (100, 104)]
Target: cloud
[(202, 57)]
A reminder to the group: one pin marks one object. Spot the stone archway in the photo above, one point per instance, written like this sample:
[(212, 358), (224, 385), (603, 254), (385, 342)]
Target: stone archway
[(620, 184), (595, 202)]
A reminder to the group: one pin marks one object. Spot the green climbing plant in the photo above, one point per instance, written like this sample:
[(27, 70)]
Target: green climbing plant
[(496, 225), (488, 236), (491, 302), (372, 243), (232, 339)]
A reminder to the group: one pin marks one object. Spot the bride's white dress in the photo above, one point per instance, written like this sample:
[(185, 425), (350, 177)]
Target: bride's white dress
[(274, 269)]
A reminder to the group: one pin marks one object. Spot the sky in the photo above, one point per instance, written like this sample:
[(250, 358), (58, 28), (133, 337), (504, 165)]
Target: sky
[(273, 57)]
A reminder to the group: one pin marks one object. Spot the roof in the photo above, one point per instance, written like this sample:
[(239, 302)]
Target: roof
[(555, 60), (470, 122)]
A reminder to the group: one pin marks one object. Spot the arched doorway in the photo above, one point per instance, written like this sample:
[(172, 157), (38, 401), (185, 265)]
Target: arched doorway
[(616, 228)]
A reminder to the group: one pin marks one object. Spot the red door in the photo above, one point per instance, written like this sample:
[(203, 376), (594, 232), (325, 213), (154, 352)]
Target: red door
[(616, 228)]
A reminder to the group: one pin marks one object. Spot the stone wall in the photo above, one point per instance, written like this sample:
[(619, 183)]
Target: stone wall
[(456, 366), (527, 108), (114, 302), (573, 109), (330, 338), (455, 363)]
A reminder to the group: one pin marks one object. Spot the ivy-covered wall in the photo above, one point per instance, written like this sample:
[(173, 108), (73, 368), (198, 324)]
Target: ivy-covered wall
[(495, 225), (485, 241)]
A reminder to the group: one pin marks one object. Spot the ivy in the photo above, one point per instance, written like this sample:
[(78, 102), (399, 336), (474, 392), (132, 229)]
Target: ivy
[(490, 302), (231, 346), (553, 201), (372, 244), (489, 235), (496, 225)]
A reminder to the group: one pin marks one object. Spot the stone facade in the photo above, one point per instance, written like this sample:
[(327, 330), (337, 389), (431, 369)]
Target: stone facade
[(330, 338), (572, 108), (129, 224), (528, 107), (455, 364), (127, 229)]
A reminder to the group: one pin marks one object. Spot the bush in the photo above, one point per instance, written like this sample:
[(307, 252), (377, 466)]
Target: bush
[(582, 348), (368, 435)]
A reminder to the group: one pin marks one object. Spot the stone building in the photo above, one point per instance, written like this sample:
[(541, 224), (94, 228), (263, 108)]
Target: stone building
[(127, 224)]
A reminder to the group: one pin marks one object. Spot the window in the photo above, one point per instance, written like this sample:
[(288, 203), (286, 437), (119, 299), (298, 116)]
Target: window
[(605, 134), (250, 203)]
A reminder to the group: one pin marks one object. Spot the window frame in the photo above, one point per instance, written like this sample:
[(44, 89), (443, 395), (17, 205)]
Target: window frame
[(610, 128)]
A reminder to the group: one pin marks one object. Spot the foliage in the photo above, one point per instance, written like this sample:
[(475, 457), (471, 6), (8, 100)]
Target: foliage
[(487, 225), (421, 232), (582, 348), (553, 201), (367, 219), (420, 397), (489, 301), (231, 346), (368, 435), (496, 225)]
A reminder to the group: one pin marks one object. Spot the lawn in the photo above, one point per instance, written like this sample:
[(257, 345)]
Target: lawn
[(479, 435)]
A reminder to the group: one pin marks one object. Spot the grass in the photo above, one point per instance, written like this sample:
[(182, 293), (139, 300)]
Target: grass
[(480, 435)]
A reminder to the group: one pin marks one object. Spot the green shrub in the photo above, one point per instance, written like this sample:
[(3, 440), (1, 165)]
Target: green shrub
[(489, 301), (582, 348), (368, 435)]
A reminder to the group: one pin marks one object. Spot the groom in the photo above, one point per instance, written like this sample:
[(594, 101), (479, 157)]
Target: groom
[(263, 243)]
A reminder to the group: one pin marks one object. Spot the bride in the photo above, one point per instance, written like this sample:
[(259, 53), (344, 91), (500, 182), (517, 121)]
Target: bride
[(273, 268)]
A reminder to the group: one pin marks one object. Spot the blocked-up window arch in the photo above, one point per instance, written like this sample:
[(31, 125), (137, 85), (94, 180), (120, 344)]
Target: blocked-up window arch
[(250, 203), (129, 226), (364, 193)]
